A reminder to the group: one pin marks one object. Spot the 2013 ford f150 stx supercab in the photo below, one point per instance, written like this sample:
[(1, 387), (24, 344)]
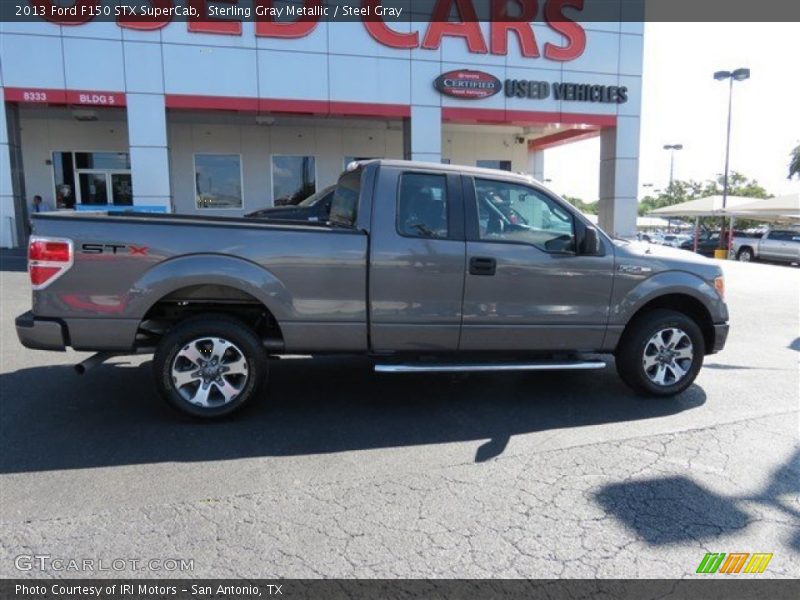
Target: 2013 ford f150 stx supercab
[(425, 267)]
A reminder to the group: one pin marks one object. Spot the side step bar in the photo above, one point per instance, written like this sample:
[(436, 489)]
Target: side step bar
[(544, 365)]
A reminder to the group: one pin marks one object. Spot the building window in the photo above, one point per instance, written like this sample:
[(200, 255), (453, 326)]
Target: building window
[(502, 165), (218, 180), (107, 161), (294, 178)]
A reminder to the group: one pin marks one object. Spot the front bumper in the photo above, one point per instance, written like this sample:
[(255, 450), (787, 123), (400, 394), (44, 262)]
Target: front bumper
[(40, 334), (720, 336)]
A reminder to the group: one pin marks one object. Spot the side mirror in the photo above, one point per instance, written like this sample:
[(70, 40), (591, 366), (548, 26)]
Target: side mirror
[(590, 244)]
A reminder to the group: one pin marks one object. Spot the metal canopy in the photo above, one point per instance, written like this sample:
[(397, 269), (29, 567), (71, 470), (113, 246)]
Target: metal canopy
[(787, 205), (710, 206)]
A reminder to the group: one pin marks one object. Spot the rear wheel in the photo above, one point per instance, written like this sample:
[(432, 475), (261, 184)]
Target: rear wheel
[(209, 366), (660, 353)]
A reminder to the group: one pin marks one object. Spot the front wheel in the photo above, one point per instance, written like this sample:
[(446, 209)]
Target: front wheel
[(209, 366), (660, 353), (745, 255)]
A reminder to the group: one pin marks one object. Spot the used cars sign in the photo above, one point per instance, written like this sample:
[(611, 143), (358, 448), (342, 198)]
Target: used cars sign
[(468, 85)]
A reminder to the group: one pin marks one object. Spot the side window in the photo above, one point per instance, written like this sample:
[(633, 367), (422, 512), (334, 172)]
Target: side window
[(780, 235), (422, 206), (512, 212)]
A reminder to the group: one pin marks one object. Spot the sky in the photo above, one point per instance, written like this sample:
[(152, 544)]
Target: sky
[(683, 104)]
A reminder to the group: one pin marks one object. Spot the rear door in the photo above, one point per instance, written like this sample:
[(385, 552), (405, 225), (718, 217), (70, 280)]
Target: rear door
[(417, 258), (526, 287)]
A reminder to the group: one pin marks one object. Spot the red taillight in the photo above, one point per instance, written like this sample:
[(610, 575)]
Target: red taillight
[(48, 259), (40, 275), (50, 251)]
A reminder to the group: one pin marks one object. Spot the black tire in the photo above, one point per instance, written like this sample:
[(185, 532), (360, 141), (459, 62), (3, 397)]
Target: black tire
[(636, 340), (244, 353), (745, 254)]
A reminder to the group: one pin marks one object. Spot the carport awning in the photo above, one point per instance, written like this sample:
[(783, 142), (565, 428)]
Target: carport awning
[(710, 206), (787, 205)]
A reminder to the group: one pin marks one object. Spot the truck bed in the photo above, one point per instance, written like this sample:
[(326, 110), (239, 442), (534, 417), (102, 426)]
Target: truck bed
[(125, 264)]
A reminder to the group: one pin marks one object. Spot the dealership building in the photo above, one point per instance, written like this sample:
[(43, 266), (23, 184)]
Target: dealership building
[(226, 117)]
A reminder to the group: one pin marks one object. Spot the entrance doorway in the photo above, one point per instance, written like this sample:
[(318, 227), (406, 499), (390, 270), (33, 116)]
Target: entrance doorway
[(92, 179)]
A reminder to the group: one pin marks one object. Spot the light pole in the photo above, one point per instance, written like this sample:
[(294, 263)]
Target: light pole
[(739, 74), (670, 191), (672, 148)]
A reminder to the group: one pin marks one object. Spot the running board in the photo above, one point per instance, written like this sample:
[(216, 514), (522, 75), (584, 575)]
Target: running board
[(481, 367)]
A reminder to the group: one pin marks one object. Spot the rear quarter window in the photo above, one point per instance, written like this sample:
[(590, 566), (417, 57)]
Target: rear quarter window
[(344, 206)]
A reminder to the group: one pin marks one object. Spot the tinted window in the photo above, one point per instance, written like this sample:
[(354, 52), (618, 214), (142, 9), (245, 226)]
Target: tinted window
[(516, 213), (344, 206), (103, 160), (218, 180), (293, 179), (783, 236), (422, 205)]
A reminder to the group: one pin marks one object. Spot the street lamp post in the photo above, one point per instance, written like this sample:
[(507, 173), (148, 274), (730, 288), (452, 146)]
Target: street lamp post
[(670, 191), (672, 148), (739, 74)]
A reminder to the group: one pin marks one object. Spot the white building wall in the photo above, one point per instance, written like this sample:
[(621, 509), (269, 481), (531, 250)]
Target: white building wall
[(328, 143), (42, 136), (336, 63), (468, 147)]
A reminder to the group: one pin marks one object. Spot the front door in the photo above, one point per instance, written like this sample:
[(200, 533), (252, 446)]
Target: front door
[(416, 274), (526, 287)]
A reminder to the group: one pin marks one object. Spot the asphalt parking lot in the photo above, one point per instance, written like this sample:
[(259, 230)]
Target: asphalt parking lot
[(339, 472)]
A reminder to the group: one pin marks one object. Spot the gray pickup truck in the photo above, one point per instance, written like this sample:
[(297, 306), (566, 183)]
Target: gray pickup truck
[(424, 267), (779, 245)]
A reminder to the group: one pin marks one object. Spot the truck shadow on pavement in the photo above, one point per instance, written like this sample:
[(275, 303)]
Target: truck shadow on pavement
[(674, 510), (53, 419)]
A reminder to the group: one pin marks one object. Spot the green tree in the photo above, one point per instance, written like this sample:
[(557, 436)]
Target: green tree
[(683, 191), (794, 162), (587, 208)]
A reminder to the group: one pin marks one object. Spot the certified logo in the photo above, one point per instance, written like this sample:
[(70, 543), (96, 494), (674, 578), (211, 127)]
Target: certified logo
[(468, 85)]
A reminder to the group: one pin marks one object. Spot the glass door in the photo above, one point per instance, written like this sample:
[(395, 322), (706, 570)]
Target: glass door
[(92, 188), (97, 188), (121, 189)]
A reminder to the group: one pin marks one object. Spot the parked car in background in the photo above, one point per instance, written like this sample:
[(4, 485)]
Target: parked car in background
[(780, 245), (668, 240), (708, 241), (316, 207), (674, 239)]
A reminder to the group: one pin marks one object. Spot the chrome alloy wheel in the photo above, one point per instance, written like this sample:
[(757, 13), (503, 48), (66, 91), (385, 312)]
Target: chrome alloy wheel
[(209, 372), (668, 356)]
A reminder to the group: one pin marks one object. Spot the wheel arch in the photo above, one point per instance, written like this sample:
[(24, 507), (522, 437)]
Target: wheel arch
[(196, 284), (684, 303)]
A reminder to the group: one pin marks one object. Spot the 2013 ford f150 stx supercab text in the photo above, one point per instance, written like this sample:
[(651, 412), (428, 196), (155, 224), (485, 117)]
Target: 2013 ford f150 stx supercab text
[(424, 267)]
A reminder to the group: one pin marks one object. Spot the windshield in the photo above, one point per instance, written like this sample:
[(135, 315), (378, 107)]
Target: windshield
[(314, 198)]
